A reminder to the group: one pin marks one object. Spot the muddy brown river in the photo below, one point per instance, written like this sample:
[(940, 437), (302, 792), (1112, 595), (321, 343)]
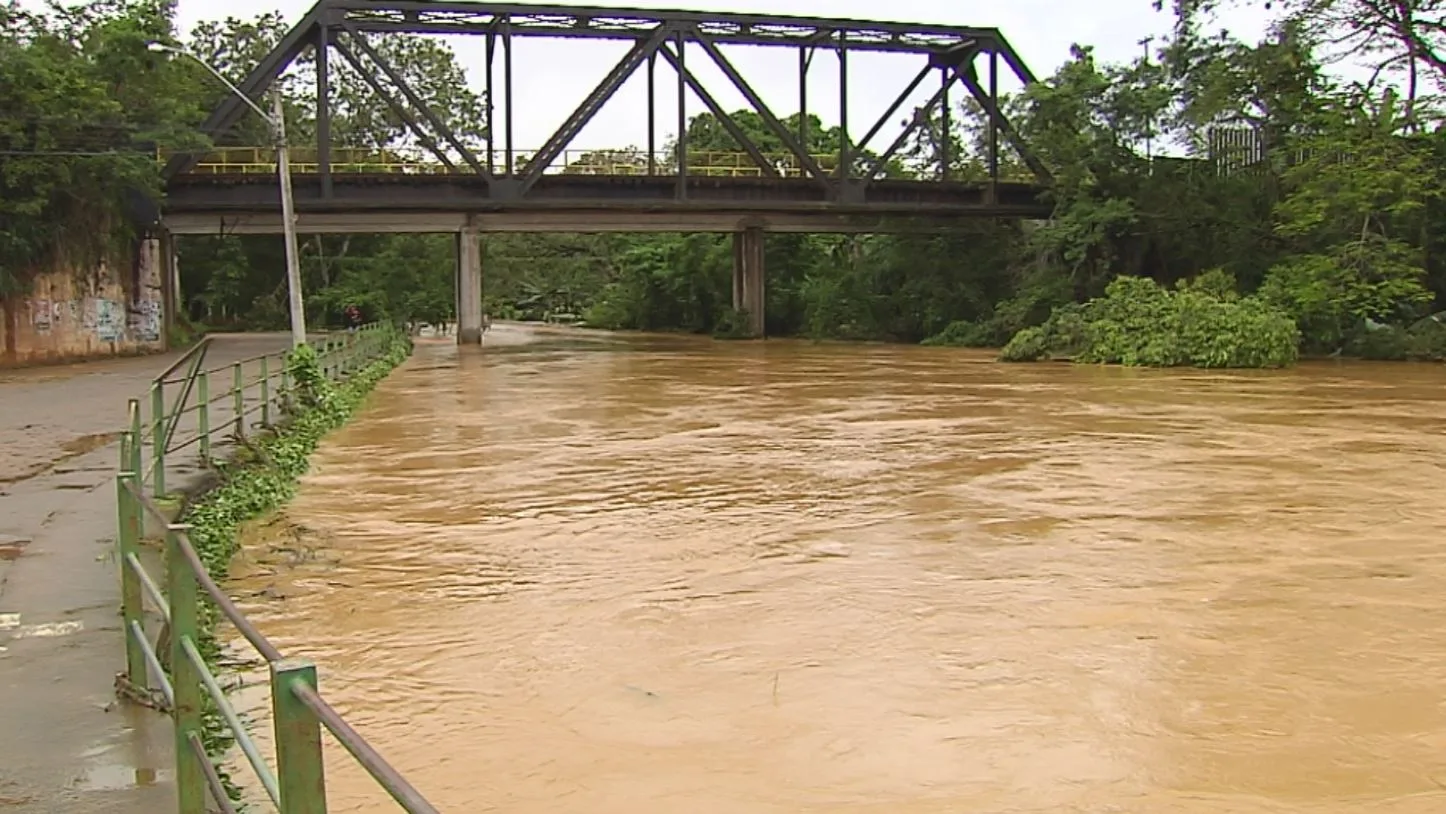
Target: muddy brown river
[(642, 575)]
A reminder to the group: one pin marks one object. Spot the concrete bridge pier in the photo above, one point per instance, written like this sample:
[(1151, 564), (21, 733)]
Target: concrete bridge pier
[(469, 287), (748, 277)]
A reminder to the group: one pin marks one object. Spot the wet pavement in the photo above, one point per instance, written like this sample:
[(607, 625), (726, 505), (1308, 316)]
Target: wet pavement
[(69, 746)]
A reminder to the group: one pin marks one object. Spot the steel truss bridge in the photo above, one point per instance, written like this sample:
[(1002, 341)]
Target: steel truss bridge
[(495, 186)]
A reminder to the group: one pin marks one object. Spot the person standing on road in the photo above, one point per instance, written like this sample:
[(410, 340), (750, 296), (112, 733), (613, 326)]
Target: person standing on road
[(353, 316)]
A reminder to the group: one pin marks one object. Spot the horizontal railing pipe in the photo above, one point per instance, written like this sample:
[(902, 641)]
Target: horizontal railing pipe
[(389, 778), (238, 729), (138, 636), (149, 586), (213, 778)]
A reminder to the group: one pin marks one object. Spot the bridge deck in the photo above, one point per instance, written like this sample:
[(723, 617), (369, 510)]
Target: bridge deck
[(592, 202)]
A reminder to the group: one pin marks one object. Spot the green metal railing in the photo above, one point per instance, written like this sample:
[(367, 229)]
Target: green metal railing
[(170, 672)]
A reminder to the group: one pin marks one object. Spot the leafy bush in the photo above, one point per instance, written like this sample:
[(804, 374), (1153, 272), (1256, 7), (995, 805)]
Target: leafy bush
[(1424, 341), (265, 476), (1139, 323), (961, 334)]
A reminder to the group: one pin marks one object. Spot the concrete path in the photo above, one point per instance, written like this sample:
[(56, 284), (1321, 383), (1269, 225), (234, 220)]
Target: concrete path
[(66, 745)]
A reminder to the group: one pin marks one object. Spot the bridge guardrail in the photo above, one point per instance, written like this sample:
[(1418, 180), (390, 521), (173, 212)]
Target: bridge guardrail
[(261, 160), (625, 162), (171, 673)]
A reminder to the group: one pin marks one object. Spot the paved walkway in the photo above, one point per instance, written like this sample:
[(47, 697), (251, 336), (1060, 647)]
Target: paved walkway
[(66, 745)]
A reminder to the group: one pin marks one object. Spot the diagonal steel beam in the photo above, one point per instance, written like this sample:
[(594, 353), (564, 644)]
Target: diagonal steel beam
[(406, 117), (230, 111), (721, 115), (1006, 129), (421, 106), (799, 150), (604, 91), (921, 116), (888, 115)]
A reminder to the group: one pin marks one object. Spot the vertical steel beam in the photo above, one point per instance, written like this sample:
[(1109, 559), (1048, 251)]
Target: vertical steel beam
[(681, 41), (993, 126), (804, 57), (507, 88), (491, 46), (652, 114), (323, 107), (946, 123), (843, 107)]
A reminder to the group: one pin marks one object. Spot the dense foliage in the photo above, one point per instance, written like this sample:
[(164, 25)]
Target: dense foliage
[(265, 474), (1318, 197), (1137, 322)]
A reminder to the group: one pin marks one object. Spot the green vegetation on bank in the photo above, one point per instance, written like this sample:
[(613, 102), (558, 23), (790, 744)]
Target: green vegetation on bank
[(265, 473), (1318, 199)]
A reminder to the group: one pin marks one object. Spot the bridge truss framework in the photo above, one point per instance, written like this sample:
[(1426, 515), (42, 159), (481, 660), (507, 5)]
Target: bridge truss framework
[(344, 28)]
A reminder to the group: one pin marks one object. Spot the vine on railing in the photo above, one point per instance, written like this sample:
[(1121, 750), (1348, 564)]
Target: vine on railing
[(316, 388)]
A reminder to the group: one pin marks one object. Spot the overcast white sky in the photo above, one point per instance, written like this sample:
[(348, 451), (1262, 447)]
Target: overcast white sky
[(552, 76)]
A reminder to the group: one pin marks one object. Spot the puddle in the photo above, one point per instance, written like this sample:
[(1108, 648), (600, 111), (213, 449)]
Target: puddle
[(115, 777), (73, 448), (12, 547), (89, 443), (49, 630)]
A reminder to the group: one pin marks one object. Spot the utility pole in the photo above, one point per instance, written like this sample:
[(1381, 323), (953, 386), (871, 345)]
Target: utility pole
[(288, 223), (277, 124)]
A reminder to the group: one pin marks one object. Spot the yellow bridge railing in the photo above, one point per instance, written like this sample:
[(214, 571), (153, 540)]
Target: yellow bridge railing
[(261, 160)]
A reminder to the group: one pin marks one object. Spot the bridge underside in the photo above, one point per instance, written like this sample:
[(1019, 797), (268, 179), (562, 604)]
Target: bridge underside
[(447, 203)]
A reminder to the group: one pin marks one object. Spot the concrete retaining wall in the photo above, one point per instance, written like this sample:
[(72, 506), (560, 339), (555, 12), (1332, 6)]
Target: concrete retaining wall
[(115, 309)]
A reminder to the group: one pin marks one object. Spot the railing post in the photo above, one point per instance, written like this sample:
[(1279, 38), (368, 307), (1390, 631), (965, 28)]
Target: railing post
[(299, 766), (283, 395), (203, 414), (134, 465), (185, 679), (158, 438), (265, 394), (238, 390), (128, 543)]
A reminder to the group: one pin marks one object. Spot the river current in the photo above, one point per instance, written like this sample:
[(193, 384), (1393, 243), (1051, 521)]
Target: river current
[(575, 572)]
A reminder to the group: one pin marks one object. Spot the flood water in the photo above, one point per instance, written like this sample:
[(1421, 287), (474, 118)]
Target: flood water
[(641, 575)]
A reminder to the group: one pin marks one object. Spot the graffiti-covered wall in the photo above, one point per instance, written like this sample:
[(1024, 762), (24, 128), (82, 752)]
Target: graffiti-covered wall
[(70, 316)]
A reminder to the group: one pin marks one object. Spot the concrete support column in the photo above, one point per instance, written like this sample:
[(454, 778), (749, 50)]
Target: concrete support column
[(469, 287), (748, 278)]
